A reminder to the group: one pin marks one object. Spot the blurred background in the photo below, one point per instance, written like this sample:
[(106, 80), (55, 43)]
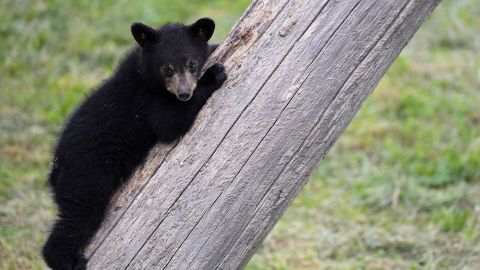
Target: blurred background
[(400, 189)]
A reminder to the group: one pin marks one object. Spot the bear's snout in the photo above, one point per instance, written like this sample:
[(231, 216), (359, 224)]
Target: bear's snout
[(184, 96)]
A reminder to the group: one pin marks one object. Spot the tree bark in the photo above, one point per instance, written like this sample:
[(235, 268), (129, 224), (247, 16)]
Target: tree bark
[(298, 71)]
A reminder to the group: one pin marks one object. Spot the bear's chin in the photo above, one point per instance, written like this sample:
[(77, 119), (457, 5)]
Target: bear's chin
[(184, 100)]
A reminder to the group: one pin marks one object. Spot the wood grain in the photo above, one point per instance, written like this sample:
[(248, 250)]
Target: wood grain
[(298, 70)]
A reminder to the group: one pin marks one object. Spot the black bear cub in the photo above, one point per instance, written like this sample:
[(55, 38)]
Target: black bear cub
[(154, 96)]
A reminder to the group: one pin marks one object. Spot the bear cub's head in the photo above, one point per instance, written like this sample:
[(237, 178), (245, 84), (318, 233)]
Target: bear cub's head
[(173, 55)]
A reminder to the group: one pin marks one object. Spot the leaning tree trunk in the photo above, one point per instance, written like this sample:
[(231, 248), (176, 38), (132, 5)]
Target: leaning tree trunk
[(298, 72)]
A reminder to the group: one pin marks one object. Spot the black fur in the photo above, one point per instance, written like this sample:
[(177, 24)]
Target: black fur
[(111, 132)]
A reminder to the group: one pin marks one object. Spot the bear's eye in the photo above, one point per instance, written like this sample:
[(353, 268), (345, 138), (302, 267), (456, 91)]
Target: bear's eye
[(192, 66), (168, 71)]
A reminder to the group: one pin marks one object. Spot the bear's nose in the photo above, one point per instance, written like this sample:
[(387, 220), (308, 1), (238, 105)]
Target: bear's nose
[(183, 96)]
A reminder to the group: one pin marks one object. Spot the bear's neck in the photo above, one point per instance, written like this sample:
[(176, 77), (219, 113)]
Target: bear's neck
[(129, 71)]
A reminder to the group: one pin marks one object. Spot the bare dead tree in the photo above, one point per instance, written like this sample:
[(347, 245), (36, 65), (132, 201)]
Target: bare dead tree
[(298, 70)]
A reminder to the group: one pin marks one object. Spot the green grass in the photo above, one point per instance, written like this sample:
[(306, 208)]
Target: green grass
[(400, 189)]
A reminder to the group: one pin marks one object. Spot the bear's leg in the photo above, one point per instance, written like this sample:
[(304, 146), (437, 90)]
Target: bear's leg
[(82, 206)]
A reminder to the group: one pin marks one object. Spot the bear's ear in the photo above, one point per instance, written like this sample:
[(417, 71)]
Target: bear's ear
[(143, 34), (203, 28)]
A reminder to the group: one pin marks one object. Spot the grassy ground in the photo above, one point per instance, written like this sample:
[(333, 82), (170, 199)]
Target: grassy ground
[(400, 190)]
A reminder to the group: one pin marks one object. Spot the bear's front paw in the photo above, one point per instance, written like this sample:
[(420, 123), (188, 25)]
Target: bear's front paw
[(214, 77)]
